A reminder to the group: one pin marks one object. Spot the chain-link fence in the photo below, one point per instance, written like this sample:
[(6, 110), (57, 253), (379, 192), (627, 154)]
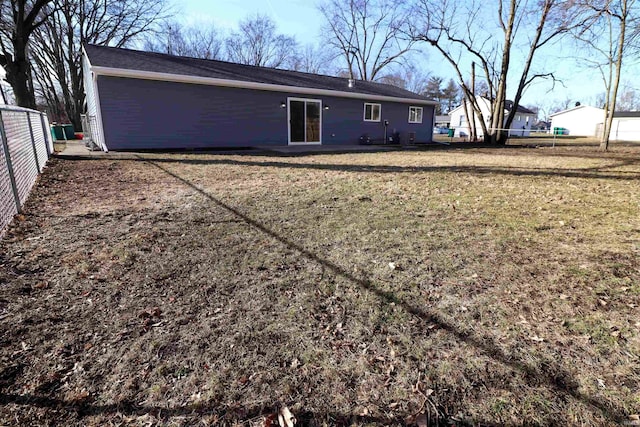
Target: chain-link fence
[(25, 147)]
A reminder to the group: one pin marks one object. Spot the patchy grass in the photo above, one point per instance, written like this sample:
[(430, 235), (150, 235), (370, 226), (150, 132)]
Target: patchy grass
[(474, 286)]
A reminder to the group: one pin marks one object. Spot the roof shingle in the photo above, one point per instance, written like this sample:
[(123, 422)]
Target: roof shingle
[(118, 58)]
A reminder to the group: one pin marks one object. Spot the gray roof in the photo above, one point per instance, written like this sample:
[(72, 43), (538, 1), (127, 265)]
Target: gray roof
[(628, 114), (110, 57), (509, 105)]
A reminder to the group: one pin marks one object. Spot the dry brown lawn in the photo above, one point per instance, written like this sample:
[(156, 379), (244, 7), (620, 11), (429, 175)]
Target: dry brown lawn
[(464, 286)]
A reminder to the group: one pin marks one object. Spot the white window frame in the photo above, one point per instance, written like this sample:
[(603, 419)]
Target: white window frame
[(364, 114), (305, 100), (416, 109)]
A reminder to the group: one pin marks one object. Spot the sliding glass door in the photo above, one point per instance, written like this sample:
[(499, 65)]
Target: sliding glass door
[(305, 121)]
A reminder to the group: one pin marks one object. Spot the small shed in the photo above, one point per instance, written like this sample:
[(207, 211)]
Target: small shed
[(142, 100)]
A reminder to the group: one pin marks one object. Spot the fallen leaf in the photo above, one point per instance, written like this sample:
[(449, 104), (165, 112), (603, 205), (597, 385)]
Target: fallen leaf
[(269, 420), (392, 265), (601, 383), (286, 418), (536, 338)]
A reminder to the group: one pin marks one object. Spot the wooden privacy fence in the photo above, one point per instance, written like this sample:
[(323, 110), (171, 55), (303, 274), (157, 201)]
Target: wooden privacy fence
[(25, 146)]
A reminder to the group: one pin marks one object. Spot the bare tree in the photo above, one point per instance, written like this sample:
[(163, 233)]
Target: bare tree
[(18, 20), (610, 37), (57, 46), (257, 43), (177, 39), (407, 77), (366, 34), (462, 34), (628, 98), (312, 59)]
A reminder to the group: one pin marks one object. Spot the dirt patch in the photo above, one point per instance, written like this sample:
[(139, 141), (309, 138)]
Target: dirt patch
[(479, 287)]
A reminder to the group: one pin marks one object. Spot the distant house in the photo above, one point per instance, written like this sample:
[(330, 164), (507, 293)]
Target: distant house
[(541, 126), (625, 126), (142, 100), (582, 120), (443, 121), (521, 125)]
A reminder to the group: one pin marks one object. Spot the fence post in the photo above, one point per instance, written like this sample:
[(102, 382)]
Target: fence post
[(7, 156), (45, 130), (33, 142)]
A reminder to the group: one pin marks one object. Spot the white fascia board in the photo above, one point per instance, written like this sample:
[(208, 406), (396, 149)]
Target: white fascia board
[(96, 99), (210, 81)]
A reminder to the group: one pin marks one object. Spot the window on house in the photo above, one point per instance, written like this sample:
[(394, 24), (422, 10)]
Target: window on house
[(415, 114), (518, 117), (371, 112), (463, 120)]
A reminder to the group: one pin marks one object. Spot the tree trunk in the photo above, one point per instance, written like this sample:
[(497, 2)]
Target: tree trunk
[(18, 70), (19, 76)]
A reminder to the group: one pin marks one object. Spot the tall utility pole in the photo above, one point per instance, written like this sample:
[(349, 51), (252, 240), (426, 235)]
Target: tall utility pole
[(473, 130)]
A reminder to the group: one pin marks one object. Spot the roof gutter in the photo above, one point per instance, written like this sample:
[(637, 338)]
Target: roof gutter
[(210, 81)]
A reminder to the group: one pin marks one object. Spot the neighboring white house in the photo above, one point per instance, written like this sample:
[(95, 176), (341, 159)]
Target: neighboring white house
[(588, 121), (521, 125), (625, 126), (582, 120)]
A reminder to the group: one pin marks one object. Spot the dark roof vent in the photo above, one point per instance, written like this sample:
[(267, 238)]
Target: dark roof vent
[(578, 104)]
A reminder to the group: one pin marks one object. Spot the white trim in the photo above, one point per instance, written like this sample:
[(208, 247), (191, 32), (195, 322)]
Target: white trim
[(364, 112), (96, 96), (210, 81), (305, 100), (421, 114)]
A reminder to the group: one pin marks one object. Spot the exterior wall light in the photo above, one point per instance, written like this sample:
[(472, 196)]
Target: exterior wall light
[(326, 107), (283, 104)]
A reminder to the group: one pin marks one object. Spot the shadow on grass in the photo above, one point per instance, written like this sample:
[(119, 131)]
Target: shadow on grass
[(544, 373), (549, 373), (606, 171), (128, 408), (598, 172)]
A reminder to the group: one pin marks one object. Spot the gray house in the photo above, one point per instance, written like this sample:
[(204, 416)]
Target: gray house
[(142, 100)]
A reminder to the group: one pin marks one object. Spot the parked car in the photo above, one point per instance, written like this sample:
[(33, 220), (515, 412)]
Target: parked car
[(441, 131)]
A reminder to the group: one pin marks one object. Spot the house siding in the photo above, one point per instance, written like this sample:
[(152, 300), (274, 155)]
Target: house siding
[(625, 129), (580, 121), (146, 114), (461, 126)]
